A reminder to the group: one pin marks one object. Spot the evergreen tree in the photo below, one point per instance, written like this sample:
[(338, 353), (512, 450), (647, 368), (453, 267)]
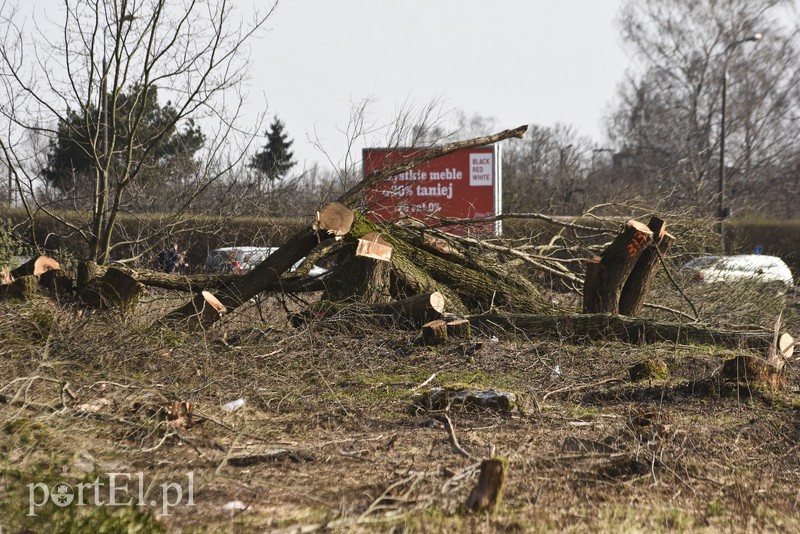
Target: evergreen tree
[(275, 160), (70, 156)]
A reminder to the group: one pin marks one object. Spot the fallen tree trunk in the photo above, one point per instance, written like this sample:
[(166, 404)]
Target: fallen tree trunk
[(115, 289), (414, 310), (471, 284), (600, 326), (195, 314), (192, 283)]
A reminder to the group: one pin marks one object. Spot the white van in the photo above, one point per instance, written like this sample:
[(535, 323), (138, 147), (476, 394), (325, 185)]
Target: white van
[(741, 268)]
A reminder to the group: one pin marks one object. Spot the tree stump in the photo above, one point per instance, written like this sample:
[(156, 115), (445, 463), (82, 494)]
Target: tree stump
[(488, 492), (644, 272), (87, 272), (115, 289), (434, 333), (359, 278), (752, 370), (616, 263), (459, 328)]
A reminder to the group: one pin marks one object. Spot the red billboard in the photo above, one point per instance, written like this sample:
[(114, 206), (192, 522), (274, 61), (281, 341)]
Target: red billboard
[(463, 185)]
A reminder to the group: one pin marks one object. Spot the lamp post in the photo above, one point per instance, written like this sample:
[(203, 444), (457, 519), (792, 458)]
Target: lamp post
[(722, 211)]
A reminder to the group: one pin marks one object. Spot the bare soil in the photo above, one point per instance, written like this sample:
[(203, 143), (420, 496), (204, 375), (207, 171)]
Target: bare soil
[(332, 436)]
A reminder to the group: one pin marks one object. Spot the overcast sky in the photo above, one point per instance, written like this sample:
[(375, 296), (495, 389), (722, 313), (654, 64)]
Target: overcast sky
[(518, 61)]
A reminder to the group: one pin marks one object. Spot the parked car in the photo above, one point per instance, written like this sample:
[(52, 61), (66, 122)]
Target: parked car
[(239, 260), (740, 268)]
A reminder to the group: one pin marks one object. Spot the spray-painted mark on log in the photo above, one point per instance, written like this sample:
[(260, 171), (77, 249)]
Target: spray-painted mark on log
[(637, 242)]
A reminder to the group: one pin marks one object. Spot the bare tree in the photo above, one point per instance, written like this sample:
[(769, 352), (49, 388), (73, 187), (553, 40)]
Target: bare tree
[(192, 53), (667, 124), (546, 171)]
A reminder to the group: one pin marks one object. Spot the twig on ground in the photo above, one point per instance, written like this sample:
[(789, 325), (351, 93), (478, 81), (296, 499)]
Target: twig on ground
[(580, 386), (451, 431), (422, 385), (160, 443)]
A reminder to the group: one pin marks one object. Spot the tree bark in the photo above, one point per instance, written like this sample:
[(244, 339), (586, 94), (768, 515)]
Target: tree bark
[(193, 283), (358, 278), (57, 283), (411, 311), (116, 289)]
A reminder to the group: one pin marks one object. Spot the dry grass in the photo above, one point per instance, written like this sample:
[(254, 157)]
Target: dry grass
[(329, 434)]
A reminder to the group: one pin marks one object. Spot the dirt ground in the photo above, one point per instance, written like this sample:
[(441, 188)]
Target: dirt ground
[(333, 435)]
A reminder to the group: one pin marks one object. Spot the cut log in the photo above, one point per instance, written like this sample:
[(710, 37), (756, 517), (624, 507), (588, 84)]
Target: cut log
[(374, 246), (488, 492), (460, 328), (5, 276), (419, 308), (214, 302), (602, 327), (434, 333), (35, 267), (335, 218), (644, 272), (616, 263)]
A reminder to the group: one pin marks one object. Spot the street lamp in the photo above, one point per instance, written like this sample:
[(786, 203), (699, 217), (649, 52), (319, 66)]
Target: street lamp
[(723, 212)]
